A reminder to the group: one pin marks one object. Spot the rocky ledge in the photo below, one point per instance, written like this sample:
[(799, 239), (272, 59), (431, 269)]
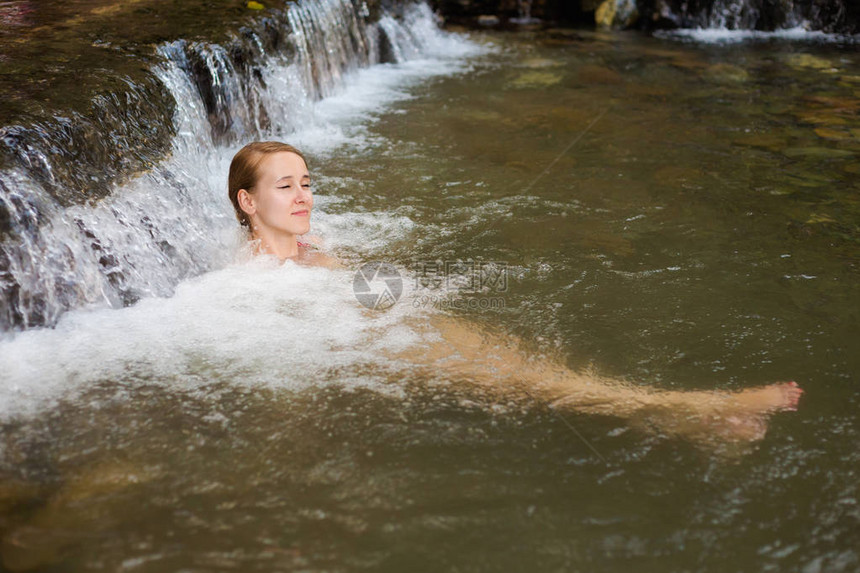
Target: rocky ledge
[(836, 16)]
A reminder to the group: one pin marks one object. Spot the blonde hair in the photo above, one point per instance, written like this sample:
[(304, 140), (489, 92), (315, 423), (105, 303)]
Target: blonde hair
[(243, 171)]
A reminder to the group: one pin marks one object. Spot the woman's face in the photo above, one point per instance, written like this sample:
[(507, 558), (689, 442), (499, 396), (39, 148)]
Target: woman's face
[(282, 199)]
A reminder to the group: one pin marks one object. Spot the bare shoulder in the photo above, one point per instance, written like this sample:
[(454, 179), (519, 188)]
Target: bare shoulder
[(314, 255), (321, 259), (313, 239)]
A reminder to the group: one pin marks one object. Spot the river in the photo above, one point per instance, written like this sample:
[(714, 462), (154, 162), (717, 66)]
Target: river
[(676, 212)]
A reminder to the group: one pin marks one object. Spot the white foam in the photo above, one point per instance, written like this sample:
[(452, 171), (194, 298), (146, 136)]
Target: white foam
[(256, 323), (175, 221), (203, 319), (726, 36)]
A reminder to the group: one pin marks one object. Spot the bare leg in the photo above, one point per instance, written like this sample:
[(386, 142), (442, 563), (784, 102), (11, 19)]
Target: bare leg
[(498, 362)]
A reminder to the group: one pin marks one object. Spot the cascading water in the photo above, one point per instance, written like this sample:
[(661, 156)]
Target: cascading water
[(732, 14), (63, 247), (829, 16), (524, 8)]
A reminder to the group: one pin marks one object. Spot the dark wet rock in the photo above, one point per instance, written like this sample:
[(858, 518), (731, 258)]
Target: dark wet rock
[(616, 14), (89, 104), (77, 155), (82, 107), (467, 12), (839, 16)]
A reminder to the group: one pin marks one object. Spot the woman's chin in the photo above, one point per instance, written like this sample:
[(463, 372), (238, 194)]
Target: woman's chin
[(295, 230)]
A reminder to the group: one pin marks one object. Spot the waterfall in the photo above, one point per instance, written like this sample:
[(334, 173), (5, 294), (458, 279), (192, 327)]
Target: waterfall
[(75, 232), (746, 15), (838, 16)]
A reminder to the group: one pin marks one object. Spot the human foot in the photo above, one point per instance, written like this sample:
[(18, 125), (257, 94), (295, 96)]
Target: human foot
[(744, 417), (716, 417), (771, 398)]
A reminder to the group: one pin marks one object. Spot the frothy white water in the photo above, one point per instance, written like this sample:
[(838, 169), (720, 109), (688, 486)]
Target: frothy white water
[(174, 221), (257, 323), (172, 238), (727, 36)]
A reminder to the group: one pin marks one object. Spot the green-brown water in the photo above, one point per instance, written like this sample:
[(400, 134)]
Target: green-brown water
[(712, 209), (682, 216)]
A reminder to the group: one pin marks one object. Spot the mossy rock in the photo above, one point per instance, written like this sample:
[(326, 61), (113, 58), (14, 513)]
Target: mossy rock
[(616, 14)]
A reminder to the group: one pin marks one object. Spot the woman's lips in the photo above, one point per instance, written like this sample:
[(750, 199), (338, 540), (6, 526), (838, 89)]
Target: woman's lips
[(301, 213)]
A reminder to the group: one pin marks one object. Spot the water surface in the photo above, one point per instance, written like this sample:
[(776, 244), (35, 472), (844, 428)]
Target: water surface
[(679, 215)]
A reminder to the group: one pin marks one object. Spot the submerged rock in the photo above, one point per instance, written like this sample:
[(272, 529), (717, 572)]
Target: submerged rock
[(78, 510), (637, 89), (727, 73), (809, 61), (817, 152), (598, 75), (679, 177), (835, 134), (850, 82), (15, 494), (817, 218), (823, 117), (844, 104), (838, 16), (483, 116), (536, 80), (768, 141), (829, 111), (537, 63)]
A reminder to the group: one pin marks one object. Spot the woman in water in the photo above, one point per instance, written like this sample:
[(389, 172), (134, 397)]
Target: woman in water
[(270, 189)]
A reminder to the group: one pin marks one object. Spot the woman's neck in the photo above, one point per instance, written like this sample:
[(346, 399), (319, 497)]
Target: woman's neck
[(283, 246)]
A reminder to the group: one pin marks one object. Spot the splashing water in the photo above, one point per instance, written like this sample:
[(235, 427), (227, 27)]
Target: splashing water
[(174, 222)]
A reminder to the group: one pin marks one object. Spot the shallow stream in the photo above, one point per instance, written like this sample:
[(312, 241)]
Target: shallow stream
[(682, 215)]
